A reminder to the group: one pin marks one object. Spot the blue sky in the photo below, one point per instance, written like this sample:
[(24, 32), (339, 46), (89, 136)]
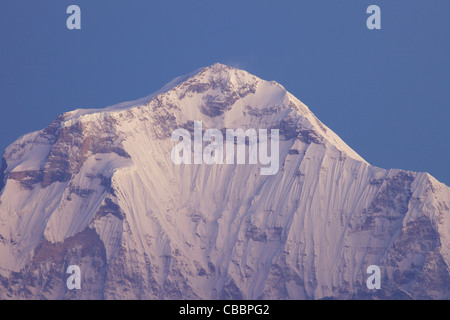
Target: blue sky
[(385, 92)]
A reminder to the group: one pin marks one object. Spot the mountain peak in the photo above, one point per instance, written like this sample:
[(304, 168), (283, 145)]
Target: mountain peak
[(223, 96), (218, 67), (98, 189), (217, 73), (226, 75)]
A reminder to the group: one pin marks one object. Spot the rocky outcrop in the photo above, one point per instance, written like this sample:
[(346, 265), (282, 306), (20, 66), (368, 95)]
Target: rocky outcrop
[(46, 274)]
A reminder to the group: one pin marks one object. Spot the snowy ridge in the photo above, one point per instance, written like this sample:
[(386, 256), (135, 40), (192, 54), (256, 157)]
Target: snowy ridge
[(97, 188), (77, 114)]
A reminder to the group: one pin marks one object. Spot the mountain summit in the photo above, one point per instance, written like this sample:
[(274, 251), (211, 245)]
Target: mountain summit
[(97, 188)]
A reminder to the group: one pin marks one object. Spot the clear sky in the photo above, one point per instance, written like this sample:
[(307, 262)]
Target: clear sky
[(384, 92)]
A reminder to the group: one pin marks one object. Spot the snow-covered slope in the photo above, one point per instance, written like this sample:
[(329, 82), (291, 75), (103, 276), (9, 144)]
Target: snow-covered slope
[(97, 188)]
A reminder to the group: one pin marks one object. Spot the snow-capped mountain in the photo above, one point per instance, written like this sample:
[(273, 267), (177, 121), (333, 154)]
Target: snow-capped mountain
[(97, 188)]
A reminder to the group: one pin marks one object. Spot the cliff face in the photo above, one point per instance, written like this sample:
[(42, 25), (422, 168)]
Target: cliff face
[(98, 189)]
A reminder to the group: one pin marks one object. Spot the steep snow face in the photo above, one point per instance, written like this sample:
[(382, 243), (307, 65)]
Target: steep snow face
[(97, 188)]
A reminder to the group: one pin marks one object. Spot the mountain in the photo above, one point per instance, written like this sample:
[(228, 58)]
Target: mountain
[(97, 188)]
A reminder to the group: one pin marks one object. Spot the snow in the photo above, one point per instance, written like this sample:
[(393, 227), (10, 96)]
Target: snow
[(95, 114), (308, 218)]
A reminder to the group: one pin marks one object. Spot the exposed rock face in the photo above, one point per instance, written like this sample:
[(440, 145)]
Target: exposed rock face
[(45, 275), (98, 189)]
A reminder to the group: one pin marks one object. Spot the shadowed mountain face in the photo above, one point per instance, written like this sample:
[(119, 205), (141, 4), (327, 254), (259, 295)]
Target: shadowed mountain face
[(97, 188)]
